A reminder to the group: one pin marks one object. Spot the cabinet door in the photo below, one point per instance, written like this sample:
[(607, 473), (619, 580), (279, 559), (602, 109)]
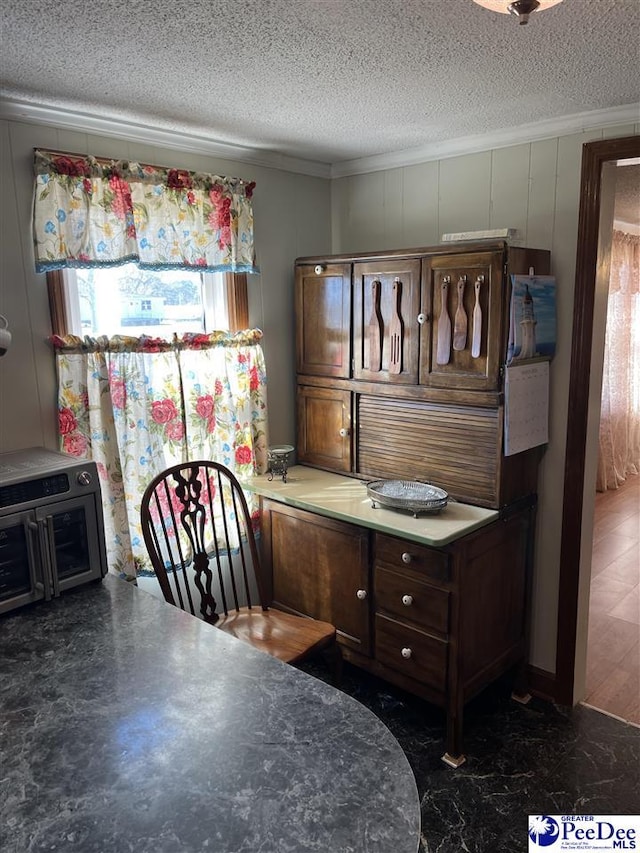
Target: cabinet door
[(464, 344), (323, 319), (324, 427), (319, 567), (386, 304)]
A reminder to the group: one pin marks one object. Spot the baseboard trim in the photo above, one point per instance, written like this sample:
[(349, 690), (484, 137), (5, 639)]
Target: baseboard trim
[(542, 684)]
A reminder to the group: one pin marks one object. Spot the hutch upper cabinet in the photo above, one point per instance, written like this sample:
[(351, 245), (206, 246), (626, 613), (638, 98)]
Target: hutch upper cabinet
[(438, 319), (400, 360)]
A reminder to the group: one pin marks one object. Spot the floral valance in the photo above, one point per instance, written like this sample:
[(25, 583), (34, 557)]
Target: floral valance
[(91, 213)]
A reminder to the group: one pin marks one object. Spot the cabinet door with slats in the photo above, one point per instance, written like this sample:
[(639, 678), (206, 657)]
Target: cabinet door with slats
[(456, 448)]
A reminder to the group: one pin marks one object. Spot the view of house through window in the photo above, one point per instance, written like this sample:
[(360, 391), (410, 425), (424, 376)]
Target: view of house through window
[(126, 300)]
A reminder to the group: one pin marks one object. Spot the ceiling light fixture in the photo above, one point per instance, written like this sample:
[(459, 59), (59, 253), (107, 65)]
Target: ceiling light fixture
[(520, 8)]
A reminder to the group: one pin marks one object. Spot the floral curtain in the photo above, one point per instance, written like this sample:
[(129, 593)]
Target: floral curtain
[(92, 213), (619, 446), (138, 405)]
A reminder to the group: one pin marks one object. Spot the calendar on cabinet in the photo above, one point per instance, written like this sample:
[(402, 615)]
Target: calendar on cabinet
[(526, 406)]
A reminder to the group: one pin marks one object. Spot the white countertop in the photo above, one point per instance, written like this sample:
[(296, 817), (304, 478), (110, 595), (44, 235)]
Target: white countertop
[(345, 498)]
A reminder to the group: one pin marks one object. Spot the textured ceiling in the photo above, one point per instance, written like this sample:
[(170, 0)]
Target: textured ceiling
[(324, 80)]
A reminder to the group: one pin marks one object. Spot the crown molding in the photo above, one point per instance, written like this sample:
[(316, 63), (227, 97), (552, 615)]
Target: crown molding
[(195, 143), (535, 131), (40, 113)]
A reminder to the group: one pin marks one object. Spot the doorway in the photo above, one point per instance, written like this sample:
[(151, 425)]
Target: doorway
[(612, 681), (573, 596)]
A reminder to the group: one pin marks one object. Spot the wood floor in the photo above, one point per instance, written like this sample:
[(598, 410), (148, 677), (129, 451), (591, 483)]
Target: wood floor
[(613, 655)]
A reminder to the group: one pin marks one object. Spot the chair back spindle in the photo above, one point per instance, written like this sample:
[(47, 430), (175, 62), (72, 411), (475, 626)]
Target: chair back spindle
[(199, 534)]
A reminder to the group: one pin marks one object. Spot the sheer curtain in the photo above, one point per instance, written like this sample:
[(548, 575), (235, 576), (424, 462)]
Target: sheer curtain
[(619, 446)]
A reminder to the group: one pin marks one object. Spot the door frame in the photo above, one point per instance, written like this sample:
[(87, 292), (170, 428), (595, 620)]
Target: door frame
[(594, 155)]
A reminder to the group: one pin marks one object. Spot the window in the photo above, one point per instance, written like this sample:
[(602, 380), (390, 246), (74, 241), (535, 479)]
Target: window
[(126, 300)]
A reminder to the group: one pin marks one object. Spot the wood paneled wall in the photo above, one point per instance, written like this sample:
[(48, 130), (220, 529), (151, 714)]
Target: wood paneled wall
[(531, 187)]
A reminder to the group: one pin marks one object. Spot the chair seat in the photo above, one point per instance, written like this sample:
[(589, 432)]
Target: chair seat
[(282, 635)]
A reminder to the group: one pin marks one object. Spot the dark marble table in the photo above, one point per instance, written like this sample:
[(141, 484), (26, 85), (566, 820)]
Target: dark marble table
[(128, 725)]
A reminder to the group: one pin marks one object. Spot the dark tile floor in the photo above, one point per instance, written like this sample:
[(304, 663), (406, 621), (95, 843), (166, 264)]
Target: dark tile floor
[(521, 760)]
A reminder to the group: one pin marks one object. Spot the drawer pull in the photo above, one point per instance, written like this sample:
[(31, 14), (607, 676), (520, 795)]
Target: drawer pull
[(407, 600), (361, 594), (344, 432), (406, 557), (406, 653)]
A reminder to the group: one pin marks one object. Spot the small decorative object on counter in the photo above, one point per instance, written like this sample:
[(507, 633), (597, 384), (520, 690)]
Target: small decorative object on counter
[(278, 456), (413, 496)]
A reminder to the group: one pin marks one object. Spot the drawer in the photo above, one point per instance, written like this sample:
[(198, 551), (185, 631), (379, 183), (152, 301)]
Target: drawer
[(406, 596), (424, 658), (430, 562)]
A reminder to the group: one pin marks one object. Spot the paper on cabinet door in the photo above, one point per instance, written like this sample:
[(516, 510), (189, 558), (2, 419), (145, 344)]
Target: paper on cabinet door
[(526, 406)]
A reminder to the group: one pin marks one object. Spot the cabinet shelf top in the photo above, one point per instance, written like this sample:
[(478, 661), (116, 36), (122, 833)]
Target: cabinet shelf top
[(345, 498), (440, 249)]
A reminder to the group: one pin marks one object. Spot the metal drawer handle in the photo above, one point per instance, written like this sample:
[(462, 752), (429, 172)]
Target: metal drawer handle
[(407, 600), (406, 653), (361, 594), (406, 557), (344, 432)]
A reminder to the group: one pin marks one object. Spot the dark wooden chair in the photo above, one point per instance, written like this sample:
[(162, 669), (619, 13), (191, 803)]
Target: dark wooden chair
[(200, 537)]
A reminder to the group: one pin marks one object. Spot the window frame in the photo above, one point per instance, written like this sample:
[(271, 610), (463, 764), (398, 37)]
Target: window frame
[(235, 285)]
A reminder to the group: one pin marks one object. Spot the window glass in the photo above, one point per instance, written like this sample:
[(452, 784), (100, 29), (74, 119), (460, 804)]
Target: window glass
[(126, 300)]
